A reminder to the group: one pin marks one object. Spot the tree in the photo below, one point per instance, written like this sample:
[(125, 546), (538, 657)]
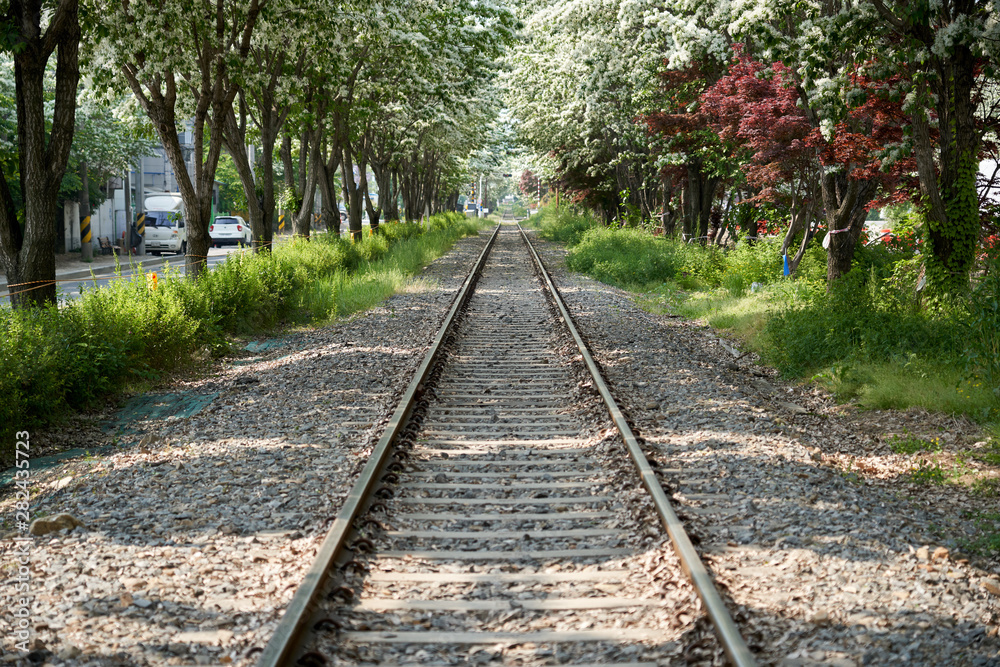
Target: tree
[(27, 235), (185, 74), (949, 49), (578, 81), (269, 85)]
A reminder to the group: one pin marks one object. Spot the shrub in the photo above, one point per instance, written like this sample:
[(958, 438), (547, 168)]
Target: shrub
[(982, 353), (562, 225), (53, 360), (625, 257), (859, 318), (747, 264)]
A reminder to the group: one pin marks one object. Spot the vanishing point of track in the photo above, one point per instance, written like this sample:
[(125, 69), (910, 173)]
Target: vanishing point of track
[(490, 513)]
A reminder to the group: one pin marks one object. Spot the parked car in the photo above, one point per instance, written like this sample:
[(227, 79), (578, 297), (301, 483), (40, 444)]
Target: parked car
[(164, 220), (230, 230)]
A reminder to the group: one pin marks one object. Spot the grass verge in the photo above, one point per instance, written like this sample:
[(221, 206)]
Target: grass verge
[(57, 360), (867, 339)]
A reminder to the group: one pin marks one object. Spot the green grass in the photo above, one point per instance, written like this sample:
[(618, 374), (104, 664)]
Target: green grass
[(343, 293), (990, 455), (909, 444), (987, 542), (57, 360), (867, 340), (987, 487)]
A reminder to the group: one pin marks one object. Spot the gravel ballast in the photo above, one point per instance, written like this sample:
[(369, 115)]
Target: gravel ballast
[(197, 531), (798, 503)]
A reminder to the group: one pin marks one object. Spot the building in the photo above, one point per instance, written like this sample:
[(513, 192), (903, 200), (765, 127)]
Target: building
[(110, 218)]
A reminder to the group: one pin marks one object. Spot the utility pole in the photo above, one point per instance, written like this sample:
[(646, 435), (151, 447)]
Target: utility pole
[(86, 247)]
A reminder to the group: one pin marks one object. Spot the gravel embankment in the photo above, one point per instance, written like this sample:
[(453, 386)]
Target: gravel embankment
[(197, 536), (800, 506)]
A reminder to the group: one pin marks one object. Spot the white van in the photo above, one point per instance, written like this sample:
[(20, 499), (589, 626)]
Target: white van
[(165, 228)]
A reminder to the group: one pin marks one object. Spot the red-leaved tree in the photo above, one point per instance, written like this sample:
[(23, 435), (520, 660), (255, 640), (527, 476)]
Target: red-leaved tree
[(792, 164)]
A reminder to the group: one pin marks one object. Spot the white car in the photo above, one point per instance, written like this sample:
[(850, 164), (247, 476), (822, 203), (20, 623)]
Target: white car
[(165, 232), (230, 230)]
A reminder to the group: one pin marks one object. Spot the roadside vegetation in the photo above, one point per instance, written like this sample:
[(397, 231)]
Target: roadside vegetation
[(869, 338), (56, 360)]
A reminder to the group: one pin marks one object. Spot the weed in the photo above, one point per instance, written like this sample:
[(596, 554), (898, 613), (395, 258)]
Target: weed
[(987, 541), (908, 444), (987, 487), (927, 473), (990, 454)]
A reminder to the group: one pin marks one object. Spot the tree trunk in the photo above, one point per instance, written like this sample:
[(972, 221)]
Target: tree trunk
[(328, 191), (844, 201), (699, 193), (948, 184), (373, 213), (266, 176), (354, 214), (391, 206), (28, 254), (310, 148), (286, 163), (233, 135), (383, 181)]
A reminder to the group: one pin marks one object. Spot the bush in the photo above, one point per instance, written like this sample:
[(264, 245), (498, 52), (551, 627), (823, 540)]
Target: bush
[(982, 353), (747, 264), (625, 257), (562, 225), (860, 318), (53, 360)]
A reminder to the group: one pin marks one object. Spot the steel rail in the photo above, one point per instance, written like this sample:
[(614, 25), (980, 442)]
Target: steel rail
[(287, 638), (729, 635)]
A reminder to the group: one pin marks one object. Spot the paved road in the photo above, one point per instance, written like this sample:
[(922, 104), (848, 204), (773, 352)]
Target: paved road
[(70, 289)]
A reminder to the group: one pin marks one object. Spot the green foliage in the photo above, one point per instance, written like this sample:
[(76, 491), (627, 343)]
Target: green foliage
[(927, 473), (55, 360), (860, 318), (990, 455), (231, 195), (987, 542), (909, 444), (562, 225), (952, 243), (752, 263), (869, 338), (987, 487), (625, 257), (983, 332)]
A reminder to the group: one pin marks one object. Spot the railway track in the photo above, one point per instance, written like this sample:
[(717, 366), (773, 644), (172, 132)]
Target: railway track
[(508, 514)]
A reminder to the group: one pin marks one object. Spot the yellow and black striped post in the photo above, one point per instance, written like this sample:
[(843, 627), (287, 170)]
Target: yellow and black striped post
[(140, 229), (281, 223), (86, 236)]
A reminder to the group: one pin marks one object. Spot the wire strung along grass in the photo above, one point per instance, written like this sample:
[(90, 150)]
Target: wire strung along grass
[(57, 360)]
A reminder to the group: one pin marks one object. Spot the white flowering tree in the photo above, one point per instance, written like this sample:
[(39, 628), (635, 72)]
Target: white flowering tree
[(180, 58), (271, 82), (949, 50), (586, 70)]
